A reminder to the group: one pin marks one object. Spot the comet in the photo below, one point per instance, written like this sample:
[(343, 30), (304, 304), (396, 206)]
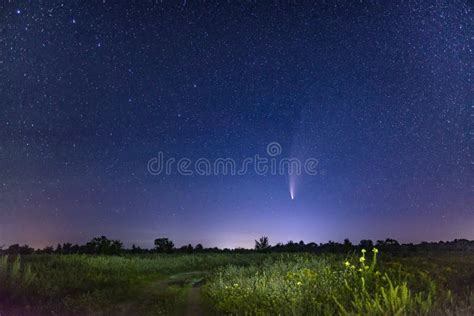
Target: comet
[(292, 185)]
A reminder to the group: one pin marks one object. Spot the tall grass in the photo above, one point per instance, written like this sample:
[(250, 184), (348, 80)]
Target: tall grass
[(15, 276), (309, 285), (85, 283), (239, 284)]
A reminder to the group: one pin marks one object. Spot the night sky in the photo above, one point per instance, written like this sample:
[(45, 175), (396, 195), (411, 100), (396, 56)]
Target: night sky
[(380, 93)]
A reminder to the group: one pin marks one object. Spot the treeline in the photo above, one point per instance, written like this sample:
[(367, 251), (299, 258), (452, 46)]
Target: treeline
[(388, 245), (104, 246)]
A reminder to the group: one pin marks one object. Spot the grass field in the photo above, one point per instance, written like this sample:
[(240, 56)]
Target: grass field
[(367, 283)]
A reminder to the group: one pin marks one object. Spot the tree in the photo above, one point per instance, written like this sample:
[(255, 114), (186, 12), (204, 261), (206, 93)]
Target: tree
[(104, 246), (164, 245), (347, 245), (48, 250), (262, 243), (366, 244), (392, 242), (388, 244), (189, 248), (67, 248), (16, 249), (198, 247), (312, 246)]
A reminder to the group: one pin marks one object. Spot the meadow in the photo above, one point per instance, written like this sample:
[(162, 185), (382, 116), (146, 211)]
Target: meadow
[(362, 282)]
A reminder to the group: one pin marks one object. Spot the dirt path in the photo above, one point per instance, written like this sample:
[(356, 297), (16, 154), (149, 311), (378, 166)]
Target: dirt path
[(194, 280), (193, 302)]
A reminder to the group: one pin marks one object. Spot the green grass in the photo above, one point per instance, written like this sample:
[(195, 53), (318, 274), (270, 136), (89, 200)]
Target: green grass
[(239, 284), (88, 283), (328, 285)]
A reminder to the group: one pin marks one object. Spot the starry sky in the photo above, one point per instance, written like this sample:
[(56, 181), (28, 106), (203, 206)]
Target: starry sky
[(379, 92)]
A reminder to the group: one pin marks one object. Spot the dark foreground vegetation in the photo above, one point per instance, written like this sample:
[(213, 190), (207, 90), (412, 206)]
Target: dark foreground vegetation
[(104, 246), (102, 278)]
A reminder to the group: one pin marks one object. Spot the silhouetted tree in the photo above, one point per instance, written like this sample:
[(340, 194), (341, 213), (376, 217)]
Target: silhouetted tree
[(366, 244), (262, 243), (16, 249), (104, 246), (291, 246), (189, 248), (164, 245), (312, 246), (198, 248), (332, 246), (391, 242), (388, 245), (48, 250), (74, 248), (347, 245)]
